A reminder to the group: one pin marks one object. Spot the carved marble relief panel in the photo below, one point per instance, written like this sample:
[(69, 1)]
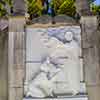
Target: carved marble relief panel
[(53, 61)]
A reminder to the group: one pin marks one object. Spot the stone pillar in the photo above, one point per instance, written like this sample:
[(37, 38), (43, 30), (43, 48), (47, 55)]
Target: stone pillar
[(90, 47), (16, 55), (19, 7), (82, 7)]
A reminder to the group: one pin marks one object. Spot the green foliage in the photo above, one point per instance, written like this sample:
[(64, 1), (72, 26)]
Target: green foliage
[(2, 9), (95, 8), (9, 2), (64, 7), (34, 8), (90, 1), (60, 6)]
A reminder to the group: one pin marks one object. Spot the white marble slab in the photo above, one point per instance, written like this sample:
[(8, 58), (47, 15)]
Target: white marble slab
[(50, 47)]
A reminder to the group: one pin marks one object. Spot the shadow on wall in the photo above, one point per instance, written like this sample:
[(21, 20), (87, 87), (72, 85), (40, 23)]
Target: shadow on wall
[(3, 65)]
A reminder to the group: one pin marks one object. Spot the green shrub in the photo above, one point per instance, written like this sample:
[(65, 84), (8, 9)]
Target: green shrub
[(64, 7), (95, 8), (2, 10), (60, 7), (34, 8)]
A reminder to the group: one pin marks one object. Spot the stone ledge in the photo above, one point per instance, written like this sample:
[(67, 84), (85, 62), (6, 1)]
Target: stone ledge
[(66, 98)]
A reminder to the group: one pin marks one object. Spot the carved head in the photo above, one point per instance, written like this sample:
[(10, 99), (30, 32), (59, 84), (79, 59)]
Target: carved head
[(69, 36)]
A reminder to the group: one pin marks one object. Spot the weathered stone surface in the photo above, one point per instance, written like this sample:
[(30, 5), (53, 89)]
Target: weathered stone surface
[(90, 49), (90, 45), (16, 58)]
